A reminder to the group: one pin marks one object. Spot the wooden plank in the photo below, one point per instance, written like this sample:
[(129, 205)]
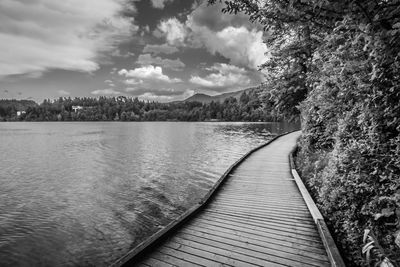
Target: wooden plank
[(270, 252), (266, 186), (260, 214), (264, 213), (206, 251), (262, 221), (266, 201), (252, 205), (287, 223), (270, 217), (302, 208), (207, 259), (270, 185), (174, 260), (239, 256), (263, 209), (251, 236), (266, 234), (254, 180), (260, 229), (263, 173), (266, 198), (271, 188), (278, 190), (288, 195), (264, 224), (156, 263), (242, 240), (260, 177), (235, 234)]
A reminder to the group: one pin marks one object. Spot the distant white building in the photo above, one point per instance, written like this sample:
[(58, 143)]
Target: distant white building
[(76, 108), (19, 113), (121, 98)]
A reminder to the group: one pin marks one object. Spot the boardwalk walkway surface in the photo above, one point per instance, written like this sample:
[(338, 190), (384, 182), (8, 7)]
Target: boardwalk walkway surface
[(257, 218)]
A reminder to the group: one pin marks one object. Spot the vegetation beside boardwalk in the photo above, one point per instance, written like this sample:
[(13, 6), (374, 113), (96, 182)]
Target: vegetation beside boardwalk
[(337, 65)]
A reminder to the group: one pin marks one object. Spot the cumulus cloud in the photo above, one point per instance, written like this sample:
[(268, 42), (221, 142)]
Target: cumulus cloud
[(212, 18), (63, 92), (72, 34), (133, 82), (109, 83), (174, 64), (148, 72), (173, 30), (159, 3), (240, 45), (223, 76), (231, 36), (108, 91), (160, 49)]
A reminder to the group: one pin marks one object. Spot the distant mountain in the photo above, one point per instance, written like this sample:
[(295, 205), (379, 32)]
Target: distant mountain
[(203, 98)]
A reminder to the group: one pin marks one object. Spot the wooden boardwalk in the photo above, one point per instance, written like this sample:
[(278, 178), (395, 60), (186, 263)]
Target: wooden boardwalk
[(257, 218)]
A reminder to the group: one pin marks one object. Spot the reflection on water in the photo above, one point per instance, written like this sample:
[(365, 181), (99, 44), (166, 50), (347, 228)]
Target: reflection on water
[(79, 194)]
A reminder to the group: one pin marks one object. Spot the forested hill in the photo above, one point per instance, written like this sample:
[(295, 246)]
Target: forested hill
[(203, 98), (250, 106)]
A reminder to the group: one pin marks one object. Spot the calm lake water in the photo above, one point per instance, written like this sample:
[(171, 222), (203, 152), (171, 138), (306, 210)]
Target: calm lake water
[(83, 194)]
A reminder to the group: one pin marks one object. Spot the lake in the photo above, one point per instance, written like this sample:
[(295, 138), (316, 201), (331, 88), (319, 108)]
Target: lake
[(84, 194)]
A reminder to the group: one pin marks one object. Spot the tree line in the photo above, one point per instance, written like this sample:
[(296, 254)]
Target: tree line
[(336, 64), (248, 107)]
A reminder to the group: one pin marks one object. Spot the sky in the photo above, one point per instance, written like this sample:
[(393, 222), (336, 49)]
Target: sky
[(161, 50)]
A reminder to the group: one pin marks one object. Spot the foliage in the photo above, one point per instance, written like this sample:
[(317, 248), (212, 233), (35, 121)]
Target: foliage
[(247, 107), (338, 62), (371, 246)]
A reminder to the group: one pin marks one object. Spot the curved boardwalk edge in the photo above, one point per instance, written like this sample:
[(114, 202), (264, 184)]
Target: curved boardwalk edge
[(331, 249), (143, 247)]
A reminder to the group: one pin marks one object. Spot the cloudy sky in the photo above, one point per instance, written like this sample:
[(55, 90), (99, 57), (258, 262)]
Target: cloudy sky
[(161, 50)]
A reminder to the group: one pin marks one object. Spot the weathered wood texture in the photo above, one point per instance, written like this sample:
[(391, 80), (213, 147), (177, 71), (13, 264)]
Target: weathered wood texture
[(257, 218)]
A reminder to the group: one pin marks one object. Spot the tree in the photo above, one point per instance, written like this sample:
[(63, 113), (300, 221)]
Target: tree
[(338, 63)]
